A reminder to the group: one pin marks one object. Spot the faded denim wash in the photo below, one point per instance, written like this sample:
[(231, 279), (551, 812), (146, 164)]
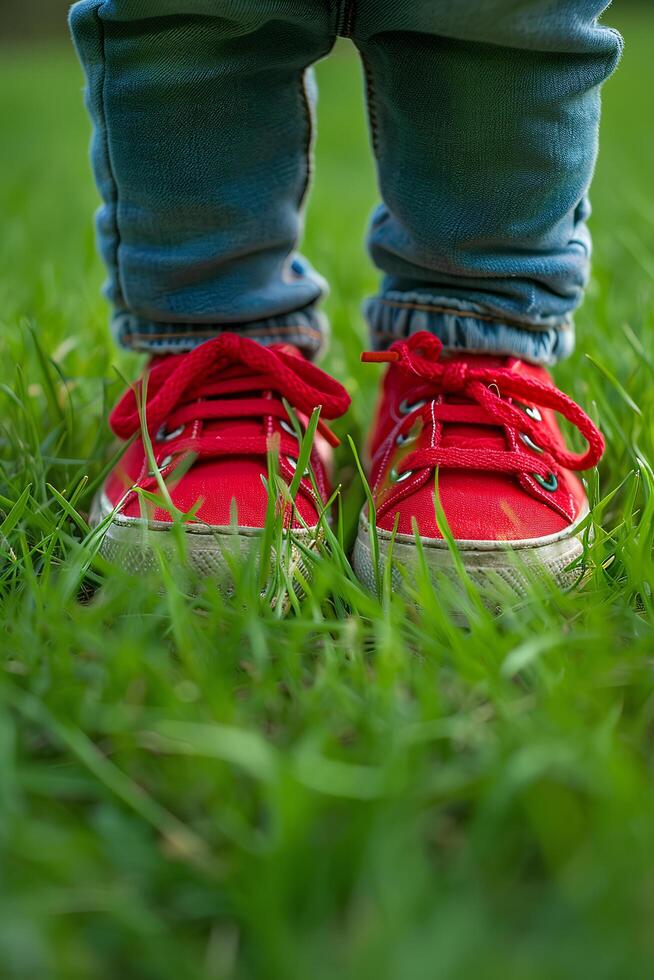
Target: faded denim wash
[(484, 116)]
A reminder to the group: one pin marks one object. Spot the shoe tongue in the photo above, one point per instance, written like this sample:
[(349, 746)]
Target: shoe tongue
[(467, 435), (477, 360), (289, 349), (235, 425)]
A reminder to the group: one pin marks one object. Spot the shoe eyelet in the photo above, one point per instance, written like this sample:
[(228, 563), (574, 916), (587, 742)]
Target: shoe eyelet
[(531, 411), (406, 407), (549, 483), (163, 465), (528, 441), (164, 436), (396, 477), (404, 438), (293, 464), (287, 427)]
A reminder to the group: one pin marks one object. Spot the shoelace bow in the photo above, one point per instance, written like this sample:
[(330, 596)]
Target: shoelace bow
[(227, 378), (419, 359)]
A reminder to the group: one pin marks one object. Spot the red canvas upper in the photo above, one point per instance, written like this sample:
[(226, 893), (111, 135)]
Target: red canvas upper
[(488, 424), (213, 414)]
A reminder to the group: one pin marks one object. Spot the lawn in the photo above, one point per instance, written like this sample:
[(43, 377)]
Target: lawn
[(196, 787)]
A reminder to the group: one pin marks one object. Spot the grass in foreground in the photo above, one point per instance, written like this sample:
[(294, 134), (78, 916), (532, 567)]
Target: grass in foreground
[(195, 787)]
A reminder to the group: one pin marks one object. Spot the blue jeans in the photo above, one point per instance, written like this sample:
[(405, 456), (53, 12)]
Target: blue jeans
[(484, 118)]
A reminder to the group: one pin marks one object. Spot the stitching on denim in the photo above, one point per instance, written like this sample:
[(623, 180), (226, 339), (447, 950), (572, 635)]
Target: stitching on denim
[(468, 314), (348, 26), (344, 18), (308, 139), (107, 147), (371, 99), (283, 330)]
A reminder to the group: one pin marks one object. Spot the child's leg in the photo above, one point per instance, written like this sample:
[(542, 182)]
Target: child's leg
[(485, 120), (202, 132)]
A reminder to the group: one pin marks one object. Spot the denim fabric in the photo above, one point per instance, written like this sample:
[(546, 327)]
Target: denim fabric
[(484, 118), (202, 119)]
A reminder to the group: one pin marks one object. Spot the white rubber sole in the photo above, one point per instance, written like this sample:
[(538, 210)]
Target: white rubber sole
[(487, 563), (135, 544)]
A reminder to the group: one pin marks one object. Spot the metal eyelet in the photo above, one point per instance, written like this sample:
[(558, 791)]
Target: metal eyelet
[(293, 464), (550, 483), (163, 465), (528, 441), (406, 407), (164, 436), (287, 427), (396, 477), (531, 411), (404, 438)]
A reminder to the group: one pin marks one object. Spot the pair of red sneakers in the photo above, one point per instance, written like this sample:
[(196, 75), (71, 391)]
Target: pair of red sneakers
[(484, 425)]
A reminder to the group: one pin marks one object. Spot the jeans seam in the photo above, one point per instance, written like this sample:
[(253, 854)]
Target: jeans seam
[(371, 99), (194, 334), (308, 139), (471, 314), (348, 26), (345, 18), (110, 165)]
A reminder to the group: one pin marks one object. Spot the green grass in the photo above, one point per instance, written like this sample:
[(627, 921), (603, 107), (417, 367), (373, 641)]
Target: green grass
[(196, 788)]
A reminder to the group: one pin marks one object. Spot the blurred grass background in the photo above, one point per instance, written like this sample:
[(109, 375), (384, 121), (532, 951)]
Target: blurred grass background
[(340, 806)]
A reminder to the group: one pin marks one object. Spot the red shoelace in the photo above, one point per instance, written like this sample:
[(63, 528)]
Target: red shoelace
[(482, 394), (230, 377)]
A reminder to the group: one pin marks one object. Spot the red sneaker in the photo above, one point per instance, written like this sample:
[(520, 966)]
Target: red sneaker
[(211, 414), (487, 424)]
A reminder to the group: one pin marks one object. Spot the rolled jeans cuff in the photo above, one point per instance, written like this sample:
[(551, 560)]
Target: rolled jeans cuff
[(306, 329), (467, 326)]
